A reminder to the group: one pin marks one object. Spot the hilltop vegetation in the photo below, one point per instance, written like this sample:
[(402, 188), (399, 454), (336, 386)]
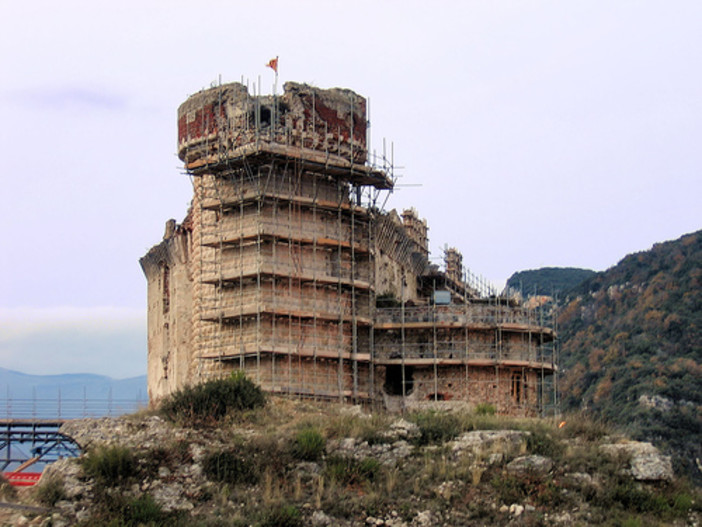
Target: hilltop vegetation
[(548, 281), (292, 463), (631, 347)]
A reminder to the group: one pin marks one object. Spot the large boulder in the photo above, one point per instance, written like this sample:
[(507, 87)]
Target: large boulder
[(535, 464), (480, 443), (646, 463)]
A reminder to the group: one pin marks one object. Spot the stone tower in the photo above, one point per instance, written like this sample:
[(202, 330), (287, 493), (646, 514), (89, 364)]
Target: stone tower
[(286, 267)]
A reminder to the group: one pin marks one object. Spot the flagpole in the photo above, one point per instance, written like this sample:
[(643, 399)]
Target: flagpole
[(275, 86), (273, 64)]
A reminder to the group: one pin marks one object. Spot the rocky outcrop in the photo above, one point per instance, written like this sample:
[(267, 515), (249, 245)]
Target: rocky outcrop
[(533, 464), (385, 453), (481, 477), (646, 463), (490, 442), (657, 402)]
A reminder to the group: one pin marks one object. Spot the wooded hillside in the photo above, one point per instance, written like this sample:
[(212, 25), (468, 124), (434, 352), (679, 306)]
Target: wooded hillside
[(550, 281), (631, 347)]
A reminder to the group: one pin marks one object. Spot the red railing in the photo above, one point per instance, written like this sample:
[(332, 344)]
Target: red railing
[(22, 479)]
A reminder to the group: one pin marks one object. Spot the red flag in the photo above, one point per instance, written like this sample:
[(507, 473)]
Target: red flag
[(273, 64)]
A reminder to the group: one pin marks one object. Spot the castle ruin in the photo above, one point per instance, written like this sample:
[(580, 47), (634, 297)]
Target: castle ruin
[(286, 266)]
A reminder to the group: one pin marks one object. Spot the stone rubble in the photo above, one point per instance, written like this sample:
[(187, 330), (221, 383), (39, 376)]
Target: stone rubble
[(535, 464), (386, 453), (490, 442), (180, 486)]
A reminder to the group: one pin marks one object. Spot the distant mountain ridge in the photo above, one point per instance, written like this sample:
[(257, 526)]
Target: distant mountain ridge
[(78, 394), (549, 281)]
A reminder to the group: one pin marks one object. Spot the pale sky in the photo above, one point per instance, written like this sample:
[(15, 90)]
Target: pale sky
[(531, 134)]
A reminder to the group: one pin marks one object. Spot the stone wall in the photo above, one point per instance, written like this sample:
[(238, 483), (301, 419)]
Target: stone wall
[(169, 305), (399, 257), (512, 391)]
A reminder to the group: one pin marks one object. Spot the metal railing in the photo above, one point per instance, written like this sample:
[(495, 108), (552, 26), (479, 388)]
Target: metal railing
[(473, 351), (67, 408), (459, 314)]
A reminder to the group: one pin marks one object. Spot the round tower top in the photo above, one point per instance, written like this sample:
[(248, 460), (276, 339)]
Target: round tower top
[(216, 122)]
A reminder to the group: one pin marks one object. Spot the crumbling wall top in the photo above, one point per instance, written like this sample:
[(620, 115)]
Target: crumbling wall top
[(217, 121)]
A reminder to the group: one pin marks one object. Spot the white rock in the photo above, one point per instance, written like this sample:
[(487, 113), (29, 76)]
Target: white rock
[(423, 519), (581, 479), (319, 519), (82, 515), (353, 411), (656, 401), (402, 429), (493, 459), (538, 464), (479, 442), (646, 462)]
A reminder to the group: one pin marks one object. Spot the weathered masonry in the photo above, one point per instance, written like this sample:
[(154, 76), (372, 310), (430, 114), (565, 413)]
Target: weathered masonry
[(287, 267)]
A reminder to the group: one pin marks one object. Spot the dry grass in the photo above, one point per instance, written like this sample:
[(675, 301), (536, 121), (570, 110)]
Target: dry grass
[(275, 461)]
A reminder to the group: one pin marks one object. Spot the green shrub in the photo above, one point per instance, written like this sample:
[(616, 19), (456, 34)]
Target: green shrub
[(585, 427), (268, 453), (51, 490), (230, 466), (366, 428), (110, 466), (349, 471), (631, 521), (632, 496), (509, 488), (209, 402), (516, 488), (309, 445), (485, 409), (144, 511), (683, 502), (369, 468), (372, 429), (172, 455), (116, 510), (542, 443), (281, 515), (435, 427)]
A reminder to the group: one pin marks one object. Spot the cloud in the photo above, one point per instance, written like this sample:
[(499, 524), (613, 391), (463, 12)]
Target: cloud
[(69, 97), (104, 340), (18, 320)]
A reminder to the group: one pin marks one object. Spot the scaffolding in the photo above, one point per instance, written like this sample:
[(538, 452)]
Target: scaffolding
[(287, 232), (481, 351), (284, 248), (463, 342)]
